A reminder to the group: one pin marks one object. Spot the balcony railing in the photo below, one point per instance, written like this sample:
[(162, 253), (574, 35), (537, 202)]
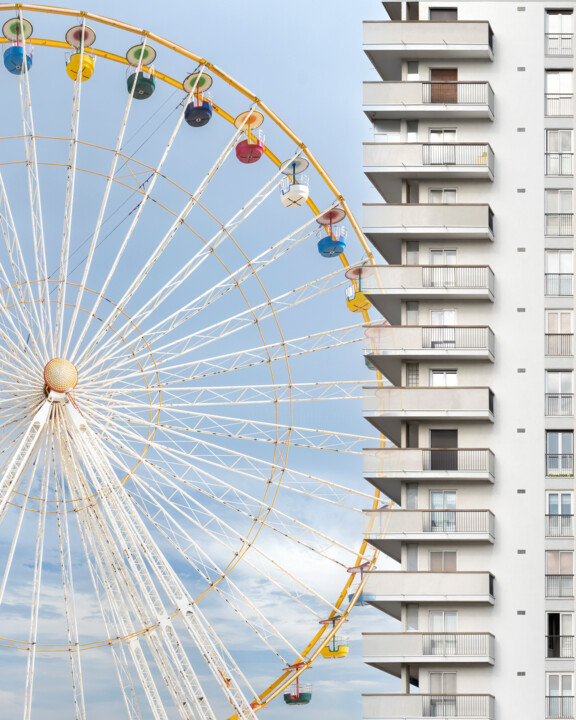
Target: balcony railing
[(463, 644), (559, 344), (419, 705), (558, 283), (559, 163), (559, 465), (456, 521), (560, 525), (462, 338), (559, 404), (458, 93), (559, 44), (559, 104), (379, 523), (560, 646), (451, 276), (469, 154), (558, 224), (559, 706), (559, 585), (481, 460)]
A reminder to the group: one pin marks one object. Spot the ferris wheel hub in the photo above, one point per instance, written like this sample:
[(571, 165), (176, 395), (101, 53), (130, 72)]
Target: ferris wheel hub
[(60, 375)]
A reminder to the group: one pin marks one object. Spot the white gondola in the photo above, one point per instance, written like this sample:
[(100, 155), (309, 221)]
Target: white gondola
[(295, 188)]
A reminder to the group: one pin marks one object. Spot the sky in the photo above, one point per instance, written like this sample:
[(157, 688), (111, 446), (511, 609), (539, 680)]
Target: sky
[(304, 59)]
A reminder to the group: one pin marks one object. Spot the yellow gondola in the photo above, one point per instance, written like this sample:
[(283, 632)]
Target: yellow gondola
[(77, 60)]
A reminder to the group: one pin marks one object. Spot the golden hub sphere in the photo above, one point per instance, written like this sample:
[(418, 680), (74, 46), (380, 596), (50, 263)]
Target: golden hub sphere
[(60, 375)]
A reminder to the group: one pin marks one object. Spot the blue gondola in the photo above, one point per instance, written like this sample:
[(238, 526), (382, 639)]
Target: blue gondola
[(14, 58)]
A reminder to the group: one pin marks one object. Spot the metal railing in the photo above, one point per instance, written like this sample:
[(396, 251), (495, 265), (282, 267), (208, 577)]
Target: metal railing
[(559, 706), (477, 460), (457, 93), (475, 644), (559, 585), (558, 224), (468, 154), (559, 465), (457, 521), (560, 646), (558, 44), (458, 706), (559, 404), (559, 525), (458, 337), (558, 283), (559, 163), (446, 276), (559, 344), (559, 104)]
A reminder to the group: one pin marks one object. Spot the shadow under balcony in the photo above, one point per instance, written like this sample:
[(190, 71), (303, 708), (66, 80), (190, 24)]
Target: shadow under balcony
[(419, 705), (388, 286), (387, 164), (388, 468), (389, 651), (387, 43), (387, 530), (386, 223), (388, 346), (388, 590), (387, 408), (428, 100)]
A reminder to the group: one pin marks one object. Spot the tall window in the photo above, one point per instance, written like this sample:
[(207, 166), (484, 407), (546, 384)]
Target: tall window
[(559, 32), (559, 573), (559, 271), (558, 212), (559, 696), (442, 688), (559, 93), (559, 152), (560, 453), (559, 393), (559, 514), (560, 635)]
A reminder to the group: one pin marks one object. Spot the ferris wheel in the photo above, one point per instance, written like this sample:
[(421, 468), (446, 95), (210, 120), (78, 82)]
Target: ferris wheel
[(180, 485)]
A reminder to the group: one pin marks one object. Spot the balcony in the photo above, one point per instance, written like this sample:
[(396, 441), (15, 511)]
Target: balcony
[(387, 286), (559, 646), (387, 468), (388, 43), (386, 530), (387, 346), (386, 224), (388, 407), (387, 591), (389, 651), (559, 104), (559, 44), (428, 100), (559, 344), (558, 284), (388, 164), (560, 465), (559, 586), (559, 525), (559, 706), (418, 706), (559, 404), (559, 163), (558, 224)]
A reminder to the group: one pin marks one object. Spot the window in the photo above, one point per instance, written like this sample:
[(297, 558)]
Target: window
[(442, 195), (559, 453), (443, 150), (559, 332), (559, 393), (559, 635), (559, 271), (443, 14), (412, 557), (412, 610), (387, 131), (559, 32), (412, 131), (442, 561), (559, 514), (412, 252), (444, 625), (558, 209), (442, 695), (412, 72), (412, 312), (442, 333), (443, 452), (559, 152), (559, 573), (559, 93), (411, 496), (412, 374), (559, 696), (443, 378), (442, 517)]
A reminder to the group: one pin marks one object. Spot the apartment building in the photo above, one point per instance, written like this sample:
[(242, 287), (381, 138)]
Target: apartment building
[(472, 157)]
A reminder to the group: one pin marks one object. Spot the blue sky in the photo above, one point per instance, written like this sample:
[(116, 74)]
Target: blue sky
[(304, 59)]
